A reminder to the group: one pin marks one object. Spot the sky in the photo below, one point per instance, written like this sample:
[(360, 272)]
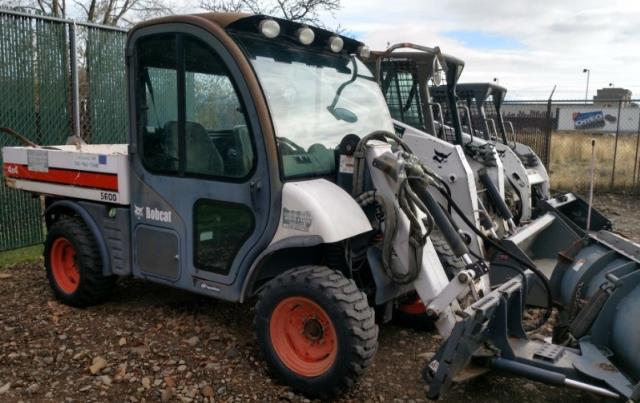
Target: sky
[(529, 46)]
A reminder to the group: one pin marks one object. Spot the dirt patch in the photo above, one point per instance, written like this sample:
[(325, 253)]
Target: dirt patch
[(623, 210)]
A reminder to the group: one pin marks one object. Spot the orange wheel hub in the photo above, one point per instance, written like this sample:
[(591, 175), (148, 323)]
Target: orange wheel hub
[(415, 307), (303, 336), (63, 265)]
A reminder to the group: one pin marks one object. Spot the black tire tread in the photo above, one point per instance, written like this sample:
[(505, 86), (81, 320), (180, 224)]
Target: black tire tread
[(452, 264), (352, 304), (94, 287)]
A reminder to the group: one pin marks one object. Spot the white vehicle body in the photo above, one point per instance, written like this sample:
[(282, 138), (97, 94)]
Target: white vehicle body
[(98, 172)]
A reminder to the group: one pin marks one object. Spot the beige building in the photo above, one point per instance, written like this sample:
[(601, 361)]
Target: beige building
[(611, 96)]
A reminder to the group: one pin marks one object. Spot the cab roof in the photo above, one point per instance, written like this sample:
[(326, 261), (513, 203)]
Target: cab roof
[(250, 23)]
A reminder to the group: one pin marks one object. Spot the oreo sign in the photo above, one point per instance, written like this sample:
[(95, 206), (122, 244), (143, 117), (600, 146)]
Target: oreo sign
[(589, 120)]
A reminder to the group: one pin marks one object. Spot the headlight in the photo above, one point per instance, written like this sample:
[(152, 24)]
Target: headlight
[(305, 35), (269, 28), (364, 52), (336, 44)]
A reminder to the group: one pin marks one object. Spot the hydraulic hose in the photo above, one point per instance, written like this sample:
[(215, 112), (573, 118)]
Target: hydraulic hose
[(442, 221), (391, 214), (359, 157), (404, 202)]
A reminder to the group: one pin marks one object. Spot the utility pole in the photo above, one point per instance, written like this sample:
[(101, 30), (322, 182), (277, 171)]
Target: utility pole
[(586, 92)]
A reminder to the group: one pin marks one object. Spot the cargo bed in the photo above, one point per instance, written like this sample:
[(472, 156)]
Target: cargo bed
[(97, 172)]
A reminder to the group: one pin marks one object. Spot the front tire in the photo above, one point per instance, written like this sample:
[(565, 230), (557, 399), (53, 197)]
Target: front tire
[(73, 264), (316, 330)]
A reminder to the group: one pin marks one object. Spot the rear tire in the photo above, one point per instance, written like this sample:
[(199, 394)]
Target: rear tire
[(73, 264), (412, 314), (316, 330)]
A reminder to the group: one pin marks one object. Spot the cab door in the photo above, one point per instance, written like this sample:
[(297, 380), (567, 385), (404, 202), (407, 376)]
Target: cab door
[(200, 191)]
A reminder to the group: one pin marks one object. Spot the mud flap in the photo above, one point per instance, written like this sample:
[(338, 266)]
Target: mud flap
[(483, 330)]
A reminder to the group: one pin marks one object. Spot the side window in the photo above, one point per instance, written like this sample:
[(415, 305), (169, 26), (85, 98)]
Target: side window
[(157, 102), (220, 229), (403, 98), (206, 135), (217, 139)]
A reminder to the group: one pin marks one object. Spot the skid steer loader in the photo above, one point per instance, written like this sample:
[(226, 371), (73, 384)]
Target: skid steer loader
[(526, 178), (262, 163), (529, 187), (404, 78), (408, 81)]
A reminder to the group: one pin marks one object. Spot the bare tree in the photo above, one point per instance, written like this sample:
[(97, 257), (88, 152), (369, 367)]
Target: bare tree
[(295, 10), (107, 12)]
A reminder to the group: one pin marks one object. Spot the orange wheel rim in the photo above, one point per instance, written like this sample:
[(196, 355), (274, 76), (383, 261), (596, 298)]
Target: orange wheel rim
[(63, 265), (303, 336), (415, 307)]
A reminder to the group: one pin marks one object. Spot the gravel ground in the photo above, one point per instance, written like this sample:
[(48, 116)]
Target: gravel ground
[(624, 211), (152, 343)]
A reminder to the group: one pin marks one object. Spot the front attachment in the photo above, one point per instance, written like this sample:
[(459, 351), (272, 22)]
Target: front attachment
[(486, 321), (490, 336), (574, 210)]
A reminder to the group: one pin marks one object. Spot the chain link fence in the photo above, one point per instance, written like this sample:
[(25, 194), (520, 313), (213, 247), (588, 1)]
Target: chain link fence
[(573, 131), (59, 77), (38, 98)]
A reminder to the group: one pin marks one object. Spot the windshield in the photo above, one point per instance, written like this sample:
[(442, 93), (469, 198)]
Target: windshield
[(316, 98)]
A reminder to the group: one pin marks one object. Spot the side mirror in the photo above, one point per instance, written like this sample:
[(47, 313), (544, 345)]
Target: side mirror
[(439, 67), (343, 114), (438, 73)]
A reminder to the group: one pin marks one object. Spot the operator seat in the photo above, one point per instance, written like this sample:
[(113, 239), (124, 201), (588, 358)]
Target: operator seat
[(202, 156), (243, 151)]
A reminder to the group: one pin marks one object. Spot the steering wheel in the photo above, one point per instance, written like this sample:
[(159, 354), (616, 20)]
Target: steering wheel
[(288, 147)]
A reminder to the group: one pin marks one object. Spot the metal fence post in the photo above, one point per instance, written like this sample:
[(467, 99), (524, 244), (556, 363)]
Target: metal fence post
[(75, 90), (615, 147), (635, 158), (548, 134)]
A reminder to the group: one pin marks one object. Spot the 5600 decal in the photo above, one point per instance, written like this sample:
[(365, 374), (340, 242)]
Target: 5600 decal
[(108, 196)]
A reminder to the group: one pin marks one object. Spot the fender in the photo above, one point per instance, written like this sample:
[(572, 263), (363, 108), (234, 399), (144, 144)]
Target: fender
[(313, 212), (70, 205), (319, 208)]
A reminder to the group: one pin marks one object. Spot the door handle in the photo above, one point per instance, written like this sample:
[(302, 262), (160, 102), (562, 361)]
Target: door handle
[(254, 188)]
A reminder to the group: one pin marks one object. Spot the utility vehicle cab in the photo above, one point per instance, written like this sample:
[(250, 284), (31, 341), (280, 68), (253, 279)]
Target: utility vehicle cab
[(237, 121)]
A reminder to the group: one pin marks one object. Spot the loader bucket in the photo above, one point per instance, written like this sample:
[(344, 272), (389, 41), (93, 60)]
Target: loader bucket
[(597, 287), (574, 211), (538, 243)]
